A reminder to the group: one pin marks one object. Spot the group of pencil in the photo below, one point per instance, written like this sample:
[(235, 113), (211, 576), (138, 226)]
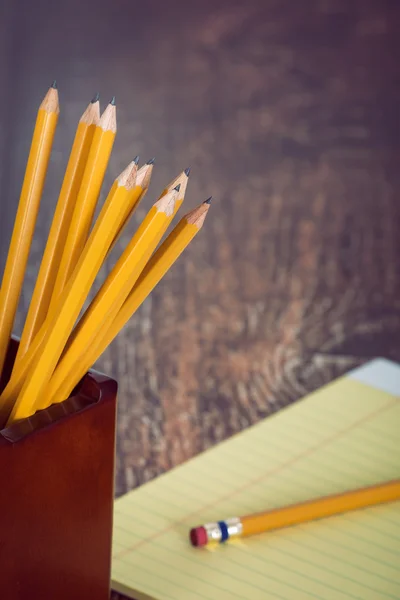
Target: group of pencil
[(56, 347)]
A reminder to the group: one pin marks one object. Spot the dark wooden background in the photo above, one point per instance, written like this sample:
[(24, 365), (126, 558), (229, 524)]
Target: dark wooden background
[(288, 113)]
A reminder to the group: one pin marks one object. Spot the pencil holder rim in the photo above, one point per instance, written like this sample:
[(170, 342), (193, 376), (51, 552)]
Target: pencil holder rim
[(92, 389)]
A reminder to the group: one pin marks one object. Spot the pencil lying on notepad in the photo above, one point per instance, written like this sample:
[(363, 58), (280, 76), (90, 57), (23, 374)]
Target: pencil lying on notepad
[(319, 508)]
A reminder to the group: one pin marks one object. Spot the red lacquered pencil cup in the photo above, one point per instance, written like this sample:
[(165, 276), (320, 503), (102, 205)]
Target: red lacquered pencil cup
[(56, 497)]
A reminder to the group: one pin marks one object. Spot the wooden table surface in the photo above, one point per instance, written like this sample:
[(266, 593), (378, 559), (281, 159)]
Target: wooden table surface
[(288, 114)]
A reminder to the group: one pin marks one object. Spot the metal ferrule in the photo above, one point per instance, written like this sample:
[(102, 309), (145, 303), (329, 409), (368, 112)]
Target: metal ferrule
[(213, 533), (235, 527)]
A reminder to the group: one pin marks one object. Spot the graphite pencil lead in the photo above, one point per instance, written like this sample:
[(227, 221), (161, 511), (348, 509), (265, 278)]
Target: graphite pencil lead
[(95, 98), (177, 188), (151, 161), (54, 84), (112, 101), (208, 201), (187, 172), (136, 159)]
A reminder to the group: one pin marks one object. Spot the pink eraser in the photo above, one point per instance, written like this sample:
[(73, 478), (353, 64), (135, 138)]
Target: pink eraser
[(198, 536)]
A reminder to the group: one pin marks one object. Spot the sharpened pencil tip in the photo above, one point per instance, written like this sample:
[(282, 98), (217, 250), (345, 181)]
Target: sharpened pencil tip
[(177, 188), (208, 201), (95, 98), (112, 101), (187, 172), (54, 84), (151, 161), (136, 159)]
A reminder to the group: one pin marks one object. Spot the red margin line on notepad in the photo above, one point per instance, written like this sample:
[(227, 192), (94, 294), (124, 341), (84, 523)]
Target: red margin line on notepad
[(270, 473)]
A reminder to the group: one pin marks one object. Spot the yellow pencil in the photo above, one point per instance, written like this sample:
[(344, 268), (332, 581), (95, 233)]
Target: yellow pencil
[(38, 363), (125, 185), (142, 185), (22, 366), (67, 375), (182, 180), (118, 284), (143, 181), (235, 527), (82, 216), (40, 301), (25, 220), (86, 201), (179, 183)]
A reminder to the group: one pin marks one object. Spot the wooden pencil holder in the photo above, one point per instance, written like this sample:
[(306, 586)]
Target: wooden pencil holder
[(56, 496)]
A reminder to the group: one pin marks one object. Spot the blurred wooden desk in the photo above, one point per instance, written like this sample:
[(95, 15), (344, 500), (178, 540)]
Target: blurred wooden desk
[(288, 114)]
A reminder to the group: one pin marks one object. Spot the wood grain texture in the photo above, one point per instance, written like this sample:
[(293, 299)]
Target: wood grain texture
[(288, 114)]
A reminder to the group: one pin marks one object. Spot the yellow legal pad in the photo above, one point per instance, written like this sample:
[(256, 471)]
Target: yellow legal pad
[(343, 436)]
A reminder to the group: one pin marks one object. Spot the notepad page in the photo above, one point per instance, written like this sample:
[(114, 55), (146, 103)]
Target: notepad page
[(343, 436)]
